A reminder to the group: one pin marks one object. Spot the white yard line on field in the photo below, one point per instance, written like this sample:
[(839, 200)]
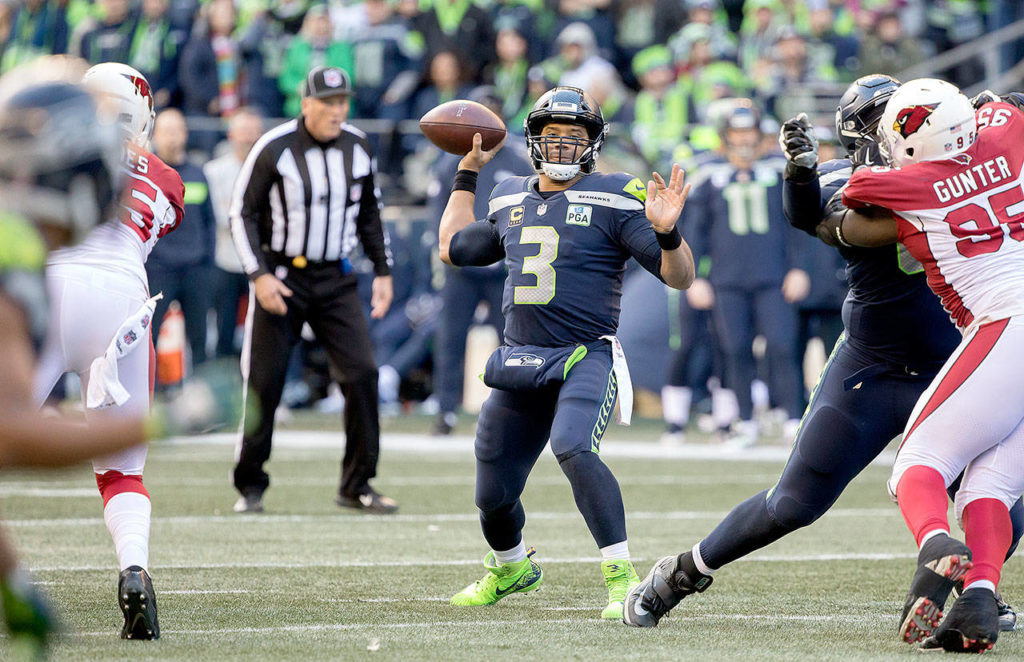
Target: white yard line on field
[(421, 443), (449, 624), (352, 520), (755, 558), (192, 591), (16, 489)]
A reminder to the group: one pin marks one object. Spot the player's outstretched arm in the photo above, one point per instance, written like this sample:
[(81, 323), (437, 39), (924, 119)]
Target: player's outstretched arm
[(458, 213), (664, 204), (867, 227), (32, 440)]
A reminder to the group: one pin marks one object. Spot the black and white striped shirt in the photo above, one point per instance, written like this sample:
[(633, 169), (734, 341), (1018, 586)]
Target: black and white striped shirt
[(298, 197)]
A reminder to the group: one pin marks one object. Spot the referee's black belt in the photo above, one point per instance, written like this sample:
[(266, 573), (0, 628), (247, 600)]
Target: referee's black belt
[(301, 262)]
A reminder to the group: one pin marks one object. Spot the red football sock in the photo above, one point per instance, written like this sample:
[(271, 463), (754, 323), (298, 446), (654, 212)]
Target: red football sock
[(922, 497), (989, 531)]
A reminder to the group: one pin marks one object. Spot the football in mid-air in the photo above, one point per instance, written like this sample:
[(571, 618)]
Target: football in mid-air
[(451, 126)]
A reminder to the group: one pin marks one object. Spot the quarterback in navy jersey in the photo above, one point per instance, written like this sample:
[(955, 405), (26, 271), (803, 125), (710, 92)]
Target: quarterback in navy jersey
[(896, 337), (565, 235)]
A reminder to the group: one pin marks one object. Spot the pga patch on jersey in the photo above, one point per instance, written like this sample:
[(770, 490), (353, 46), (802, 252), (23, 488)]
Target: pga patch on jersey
[(578, 215)]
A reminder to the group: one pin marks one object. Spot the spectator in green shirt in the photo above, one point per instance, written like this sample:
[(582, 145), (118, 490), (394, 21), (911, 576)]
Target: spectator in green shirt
[(314, 46)]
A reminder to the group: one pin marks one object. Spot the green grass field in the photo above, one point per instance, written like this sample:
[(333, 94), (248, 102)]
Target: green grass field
[(306, 581)]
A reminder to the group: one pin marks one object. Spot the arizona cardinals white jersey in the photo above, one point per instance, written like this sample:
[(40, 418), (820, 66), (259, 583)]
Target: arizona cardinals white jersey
[(151, 205), (962, 217)]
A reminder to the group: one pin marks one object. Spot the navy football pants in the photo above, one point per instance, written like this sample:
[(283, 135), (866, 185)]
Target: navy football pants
[(852, 417), (739, 315), (460, 295), (514, 428)]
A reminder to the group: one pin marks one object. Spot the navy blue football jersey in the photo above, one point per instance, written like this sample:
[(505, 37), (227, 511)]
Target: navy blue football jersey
[(889, 308), (735, 217), (565, 253)]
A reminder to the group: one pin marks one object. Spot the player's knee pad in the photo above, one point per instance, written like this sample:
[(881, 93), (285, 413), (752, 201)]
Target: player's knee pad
[(496, 506), (567, 459), (791, 514), (112, 483)]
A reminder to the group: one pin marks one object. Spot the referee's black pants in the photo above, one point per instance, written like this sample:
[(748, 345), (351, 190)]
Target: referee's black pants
[(329, 301)]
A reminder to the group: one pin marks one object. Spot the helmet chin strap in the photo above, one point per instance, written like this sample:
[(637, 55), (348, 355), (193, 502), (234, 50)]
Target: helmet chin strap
[(560, 172)]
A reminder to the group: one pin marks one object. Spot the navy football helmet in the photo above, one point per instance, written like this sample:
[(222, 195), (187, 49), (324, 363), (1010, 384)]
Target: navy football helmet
[(567, 105), (861, 107), (59, 160)]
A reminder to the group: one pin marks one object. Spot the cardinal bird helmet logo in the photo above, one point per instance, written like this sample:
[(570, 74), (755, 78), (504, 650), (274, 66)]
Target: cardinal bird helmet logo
[(909, 120)]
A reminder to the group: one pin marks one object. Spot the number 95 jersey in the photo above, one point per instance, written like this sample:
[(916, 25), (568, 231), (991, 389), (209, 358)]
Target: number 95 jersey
[(962, 217), (151, 205), (566, 253)]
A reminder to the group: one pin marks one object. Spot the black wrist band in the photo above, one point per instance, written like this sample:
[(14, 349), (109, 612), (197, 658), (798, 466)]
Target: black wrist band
[(669, 241), (465, 180)]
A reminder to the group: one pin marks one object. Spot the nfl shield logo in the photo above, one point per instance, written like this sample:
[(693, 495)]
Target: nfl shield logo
[(542, 209), (332, 78)]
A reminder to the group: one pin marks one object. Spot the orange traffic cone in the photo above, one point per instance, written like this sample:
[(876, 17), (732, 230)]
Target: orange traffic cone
[(170, 347)]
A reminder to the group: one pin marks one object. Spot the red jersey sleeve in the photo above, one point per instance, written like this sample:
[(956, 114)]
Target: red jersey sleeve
[(1000, 128), (897, 189), (169, 182)]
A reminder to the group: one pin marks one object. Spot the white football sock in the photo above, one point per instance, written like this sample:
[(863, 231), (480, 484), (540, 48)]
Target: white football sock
[(514, 555), (675, 404), (931, 534), (698, 561), (981, 583), (127, 516), (619, 550), (724, 407)]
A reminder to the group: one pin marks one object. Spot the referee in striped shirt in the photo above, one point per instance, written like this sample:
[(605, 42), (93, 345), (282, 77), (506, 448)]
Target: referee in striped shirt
[(304, 197)]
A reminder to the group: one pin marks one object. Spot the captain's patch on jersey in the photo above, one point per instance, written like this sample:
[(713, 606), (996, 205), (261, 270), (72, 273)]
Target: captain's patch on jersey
[(524, 361), (515, 216), (578, 215)]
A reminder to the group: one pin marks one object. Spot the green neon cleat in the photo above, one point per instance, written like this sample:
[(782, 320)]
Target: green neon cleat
[(501, 579), (619, 577)]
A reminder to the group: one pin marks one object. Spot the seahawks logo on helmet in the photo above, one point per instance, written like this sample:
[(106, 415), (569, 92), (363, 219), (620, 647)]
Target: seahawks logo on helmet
[(909, 120), (861, 107)]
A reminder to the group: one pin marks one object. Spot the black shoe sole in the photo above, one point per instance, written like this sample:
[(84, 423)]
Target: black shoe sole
[(953, 641), (139, 609), (356, 504), (923, 614)]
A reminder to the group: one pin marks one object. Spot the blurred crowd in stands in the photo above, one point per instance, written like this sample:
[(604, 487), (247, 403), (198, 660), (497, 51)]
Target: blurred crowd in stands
[(223, 71)]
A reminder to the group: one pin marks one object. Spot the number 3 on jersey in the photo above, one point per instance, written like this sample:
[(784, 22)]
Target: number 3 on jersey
[(539, 265)]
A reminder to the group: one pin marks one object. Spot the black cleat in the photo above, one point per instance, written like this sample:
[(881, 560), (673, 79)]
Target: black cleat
[(251, 501), (971, 626), (137, 599), (941, 563), (1007, 615), (445, 424), (370, 502), (669, 581)]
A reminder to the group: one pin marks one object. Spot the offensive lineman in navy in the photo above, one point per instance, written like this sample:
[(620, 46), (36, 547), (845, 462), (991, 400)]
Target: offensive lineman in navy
[(565, 235)]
